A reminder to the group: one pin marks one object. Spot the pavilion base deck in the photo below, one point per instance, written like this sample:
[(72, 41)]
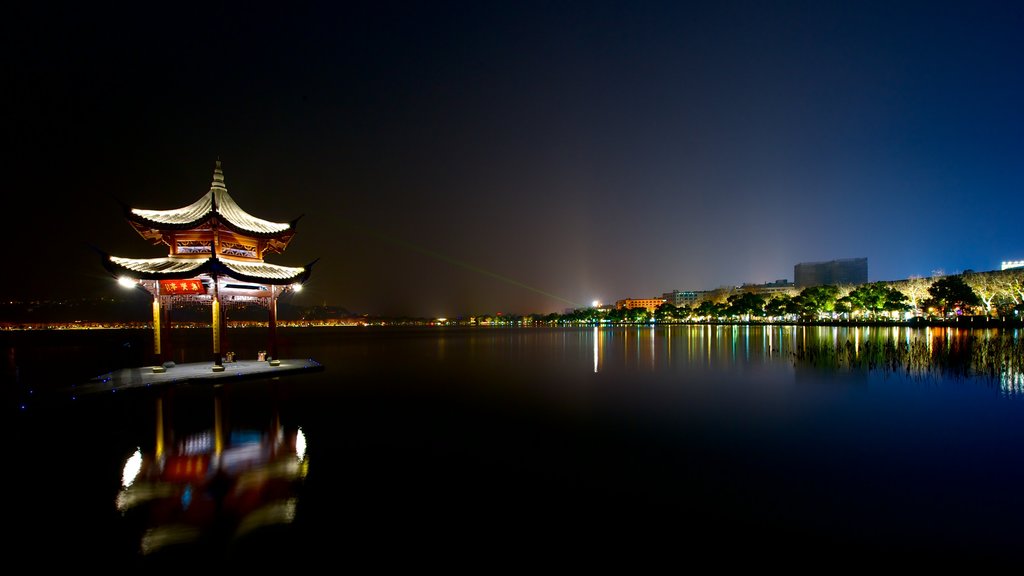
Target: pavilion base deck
[(194, 372)]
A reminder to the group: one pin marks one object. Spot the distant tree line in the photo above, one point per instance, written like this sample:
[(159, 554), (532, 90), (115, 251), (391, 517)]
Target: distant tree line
[(996, 294)]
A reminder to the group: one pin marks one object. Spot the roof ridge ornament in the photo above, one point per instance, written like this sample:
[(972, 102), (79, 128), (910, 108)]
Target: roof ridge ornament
[(217, 186), (218, 177)]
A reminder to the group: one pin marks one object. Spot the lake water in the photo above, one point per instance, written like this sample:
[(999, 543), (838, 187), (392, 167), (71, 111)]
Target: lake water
[(446, 446)]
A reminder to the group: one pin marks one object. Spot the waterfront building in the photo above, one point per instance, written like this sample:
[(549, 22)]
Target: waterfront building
[(651, 304), (844, 271), (215, 258), (781, 286), (679, 298)]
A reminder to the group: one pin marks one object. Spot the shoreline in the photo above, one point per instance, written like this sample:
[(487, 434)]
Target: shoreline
[(960, 322)]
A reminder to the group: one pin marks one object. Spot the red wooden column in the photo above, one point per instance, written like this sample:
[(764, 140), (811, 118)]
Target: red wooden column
[(165, 333), (216, 321), (272, 324)]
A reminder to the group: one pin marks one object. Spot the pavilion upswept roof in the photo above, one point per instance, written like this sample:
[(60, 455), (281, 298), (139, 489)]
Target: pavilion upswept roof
[(176, 268), (215, 203)]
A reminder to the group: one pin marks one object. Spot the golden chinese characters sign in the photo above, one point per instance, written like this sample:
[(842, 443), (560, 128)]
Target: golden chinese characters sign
[(182, 287)]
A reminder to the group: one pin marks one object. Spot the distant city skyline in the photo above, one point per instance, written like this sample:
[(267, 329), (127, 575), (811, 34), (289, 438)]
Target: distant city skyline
[(677, 297), (457, 158)]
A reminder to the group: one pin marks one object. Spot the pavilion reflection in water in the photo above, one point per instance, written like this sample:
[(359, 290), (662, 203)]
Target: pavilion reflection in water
[(214, 489)]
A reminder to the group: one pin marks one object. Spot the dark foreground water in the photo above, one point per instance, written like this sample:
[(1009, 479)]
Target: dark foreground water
[(485, 448)]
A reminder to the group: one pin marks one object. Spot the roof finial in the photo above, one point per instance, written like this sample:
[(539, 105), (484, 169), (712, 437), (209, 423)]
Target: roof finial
[(218, 177)]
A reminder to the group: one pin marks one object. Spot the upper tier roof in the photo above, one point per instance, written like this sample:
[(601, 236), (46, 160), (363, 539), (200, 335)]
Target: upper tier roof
[(217, 202)]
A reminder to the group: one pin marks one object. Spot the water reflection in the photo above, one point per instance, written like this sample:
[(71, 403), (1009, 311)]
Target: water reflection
[(991, 354), (460, 439), (943, 352), (213, 489), (680, 348)]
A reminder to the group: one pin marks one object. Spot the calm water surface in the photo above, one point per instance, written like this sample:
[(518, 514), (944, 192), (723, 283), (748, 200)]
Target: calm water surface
[(440, 445)]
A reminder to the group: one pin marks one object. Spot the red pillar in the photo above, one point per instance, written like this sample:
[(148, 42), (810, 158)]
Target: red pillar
[(272, 347), (216, 318), (165, 334)]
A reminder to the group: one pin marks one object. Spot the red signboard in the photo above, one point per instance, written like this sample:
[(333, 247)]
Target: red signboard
[(184, 468), (182, 287)]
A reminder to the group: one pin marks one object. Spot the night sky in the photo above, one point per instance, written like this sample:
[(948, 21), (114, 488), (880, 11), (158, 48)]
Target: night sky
[(472, 158)]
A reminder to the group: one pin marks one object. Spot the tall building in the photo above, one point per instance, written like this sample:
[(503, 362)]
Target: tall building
[(843, 271)]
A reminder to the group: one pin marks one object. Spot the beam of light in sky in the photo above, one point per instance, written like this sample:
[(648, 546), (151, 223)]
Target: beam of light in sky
[(466, 265)]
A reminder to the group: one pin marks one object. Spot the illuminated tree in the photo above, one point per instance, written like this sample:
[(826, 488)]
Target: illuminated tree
[(1012, 285), (718, 295), (814, 301), (745, 304), (986, 285), (874, 299), (780, 306), (846, 305), (952, 293), (710, 309), (915, 289), (638, 315), (843, 290), (666, 312), (896, 301)]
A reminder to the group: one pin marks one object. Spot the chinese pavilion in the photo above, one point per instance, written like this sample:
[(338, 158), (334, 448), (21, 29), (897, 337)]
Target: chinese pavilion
[(215, 258)]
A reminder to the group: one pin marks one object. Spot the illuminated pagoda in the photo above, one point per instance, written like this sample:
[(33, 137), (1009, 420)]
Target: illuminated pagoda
[(215, 258)]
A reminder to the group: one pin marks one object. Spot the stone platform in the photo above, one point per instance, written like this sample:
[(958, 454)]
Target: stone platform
[(194, 372)]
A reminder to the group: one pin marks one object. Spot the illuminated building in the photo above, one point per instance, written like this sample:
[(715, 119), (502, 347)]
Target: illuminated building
[(651, 304), (215, 258), (844, 271), (781, 286), (679, 298), (1008, 264)]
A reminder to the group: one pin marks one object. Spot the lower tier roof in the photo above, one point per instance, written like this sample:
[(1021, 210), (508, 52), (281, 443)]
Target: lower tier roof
[(171, 268)]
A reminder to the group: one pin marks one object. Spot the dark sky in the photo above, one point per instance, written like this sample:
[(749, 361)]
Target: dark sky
[(467, 158)]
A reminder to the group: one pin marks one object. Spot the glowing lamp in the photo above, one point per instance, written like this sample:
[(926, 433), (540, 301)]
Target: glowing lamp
[(297, 287), (126, 282)]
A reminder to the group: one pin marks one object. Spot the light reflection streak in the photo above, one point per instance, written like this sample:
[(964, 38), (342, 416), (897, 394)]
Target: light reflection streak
[(132, 466), (650, 343), (1011, 382), (668, 346)]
